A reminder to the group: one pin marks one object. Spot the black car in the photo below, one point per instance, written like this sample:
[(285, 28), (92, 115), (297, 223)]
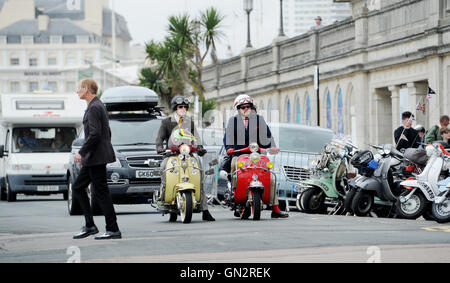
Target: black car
[(134, 120)]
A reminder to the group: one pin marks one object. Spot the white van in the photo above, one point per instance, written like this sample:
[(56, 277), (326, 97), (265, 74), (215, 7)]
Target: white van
[(36, 134)]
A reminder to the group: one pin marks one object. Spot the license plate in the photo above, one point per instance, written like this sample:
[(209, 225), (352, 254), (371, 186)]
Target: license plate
[(146, 174), (48, 188)]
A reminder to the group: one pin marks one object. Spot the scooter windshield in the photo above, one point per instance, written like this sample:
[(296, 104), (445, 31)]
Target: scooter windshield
[(181, 136)]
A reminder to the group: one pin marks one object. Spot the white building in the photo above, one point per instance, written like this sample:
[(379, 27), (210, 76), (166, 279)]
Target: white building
[(50, 45), (299, 15)]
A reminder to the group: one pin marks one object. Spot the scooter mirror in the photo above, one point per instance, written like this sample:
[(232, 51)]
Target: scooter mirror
[(223, 175)]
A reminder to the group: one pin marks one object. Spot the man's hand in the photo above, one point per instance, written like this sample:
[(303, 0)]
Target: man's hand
[(77, 158), (230, 151)]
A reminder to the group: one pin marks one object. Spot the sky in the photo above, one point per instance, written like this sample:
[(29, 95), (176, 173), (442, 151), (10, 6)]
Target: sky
[(148, 19)]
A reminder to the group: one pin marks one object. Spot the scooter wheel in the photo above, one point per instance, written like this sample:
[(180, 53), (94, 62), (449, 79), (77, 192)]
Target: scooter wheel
[(441, 212), (362, 203)]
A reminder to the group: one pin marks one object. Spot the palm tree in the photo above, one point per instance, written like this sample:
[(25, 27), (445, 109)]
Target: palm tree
[(180, 57)]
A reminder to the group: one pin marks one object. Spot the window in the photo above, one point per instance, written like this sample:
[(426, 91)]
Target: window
[(340, 113), (70, 59), (33, 86), (329, 117), (33, 62), (308, 111), (51, 61), (270, 110), (288, 112), (298, 118), (53, 86), (15, 62), (14, 87), (71, 87)]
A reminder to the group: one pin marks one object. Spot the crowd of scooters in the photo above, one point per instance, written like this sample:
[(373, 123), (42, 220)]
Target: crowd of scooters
[(391, 183)]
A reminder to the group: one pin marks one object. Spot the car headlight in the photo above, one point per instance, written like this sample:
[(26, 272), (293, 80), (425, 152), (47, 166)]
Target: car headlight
[(185, 149), (115, 164), (255, 157), (254, 147), (21, 166)]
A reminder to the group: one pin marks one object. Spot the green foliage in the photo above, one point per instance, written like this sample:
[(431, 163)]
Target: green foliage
[(178, 59)]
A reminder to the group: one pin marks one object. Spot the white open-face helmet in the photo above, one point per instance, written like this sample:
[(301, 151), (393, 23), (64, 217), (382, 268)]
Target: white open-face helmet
[(242, 99)]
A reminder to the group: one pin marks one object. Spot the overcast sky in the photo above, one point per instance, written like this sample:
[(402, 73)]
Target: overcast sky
[(148, 19)]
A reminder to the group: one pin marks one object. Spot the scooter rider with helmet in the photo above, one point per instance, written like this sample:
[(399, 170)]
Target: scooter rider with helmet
[(243, 129), (179, 117)]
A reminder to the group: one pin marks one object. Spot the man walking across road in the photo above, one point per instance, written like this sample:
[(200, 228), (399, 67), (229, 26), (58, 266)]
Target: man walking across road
[(95, 153)]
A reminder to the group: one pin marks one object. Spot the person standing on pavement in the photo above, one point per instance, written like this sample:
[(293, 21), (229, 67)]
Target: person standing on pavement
[(405, 136), (96, 152)]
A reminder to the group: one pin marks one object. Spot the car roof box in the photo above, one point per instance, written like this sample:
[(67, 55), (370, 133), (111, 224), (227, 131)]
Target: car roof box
[(129, 98)]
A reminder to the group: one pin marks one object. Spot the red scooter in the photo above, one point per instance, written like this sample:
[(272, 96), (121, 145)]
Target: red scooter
[(252, 182)]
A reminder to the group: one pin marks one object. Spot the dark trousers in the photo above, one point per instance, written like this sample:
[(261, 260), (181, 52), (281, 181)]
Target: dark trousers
[(95, 175)]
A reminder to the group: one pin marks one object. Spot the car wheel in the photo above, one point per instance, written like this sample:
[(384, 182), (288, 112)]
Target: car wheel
[(10, 195)]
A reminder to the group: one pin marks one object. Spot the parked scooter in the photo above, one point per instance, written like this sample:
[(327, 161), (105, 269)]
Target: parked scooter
[(423, 190), (183, 177), (377, 181), (440, 208), (252, 183), (328, 184)]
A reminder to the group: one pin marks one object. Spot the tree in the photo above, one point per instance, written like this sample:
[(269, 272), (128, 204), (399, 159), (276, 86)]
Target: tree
[(178, 60)]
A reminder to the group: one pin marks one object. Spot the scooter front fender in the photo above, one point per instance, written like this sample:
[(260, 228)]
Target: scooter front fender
[(326, 188)]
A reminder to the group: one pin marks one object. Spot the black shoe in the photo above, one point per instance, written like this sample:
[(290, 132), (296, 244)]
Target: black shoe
[(110, 235), (245, 213), (279, 214), (207, 216), (236, 213), (86, 232)]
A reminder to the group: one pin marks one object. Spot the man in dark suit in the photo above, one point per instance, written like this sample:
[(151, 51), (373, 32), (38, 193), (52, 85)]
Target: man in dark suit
[(406, 136), (95, 153)]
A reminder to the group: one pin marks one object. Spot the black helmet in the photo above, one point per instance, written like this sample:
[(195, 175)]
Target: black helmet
[(179, 100)]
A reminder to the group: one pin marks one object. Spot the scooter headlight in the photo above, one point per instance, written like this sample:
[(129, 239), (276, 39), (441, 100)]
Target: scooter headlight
[(270, 165), (254, 147), (387, 149), (240, 164), (255, 157), (185, 149)]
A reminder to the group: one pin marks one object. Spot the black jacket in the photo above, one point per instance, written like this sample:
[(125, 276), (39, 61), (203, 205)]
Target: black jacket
[(97, 148), (237, 137), (411, 134)]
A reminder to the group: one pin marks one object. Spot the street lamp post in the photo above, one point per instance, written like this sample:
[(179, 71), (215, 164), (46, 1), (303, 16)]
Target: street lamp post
[(281, 32), (248, 7)]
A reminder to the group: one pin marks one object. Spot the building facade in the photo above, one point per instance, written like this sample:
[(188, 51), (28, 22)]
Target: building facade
[(299, 15), (371, 67), (50, 45)]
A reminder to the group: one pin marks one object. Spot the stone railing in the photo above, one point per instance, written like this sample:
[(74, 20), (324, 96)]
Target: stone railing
[(364, 31)]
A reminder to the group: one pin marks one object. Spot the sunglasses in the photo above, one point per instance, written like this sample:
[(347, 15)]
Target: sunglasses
[(182, 106), (244, 107)]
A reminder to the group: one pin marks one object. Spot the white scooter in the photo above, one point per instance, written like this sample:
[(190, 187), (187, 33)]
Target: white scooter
[(425, 186)]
